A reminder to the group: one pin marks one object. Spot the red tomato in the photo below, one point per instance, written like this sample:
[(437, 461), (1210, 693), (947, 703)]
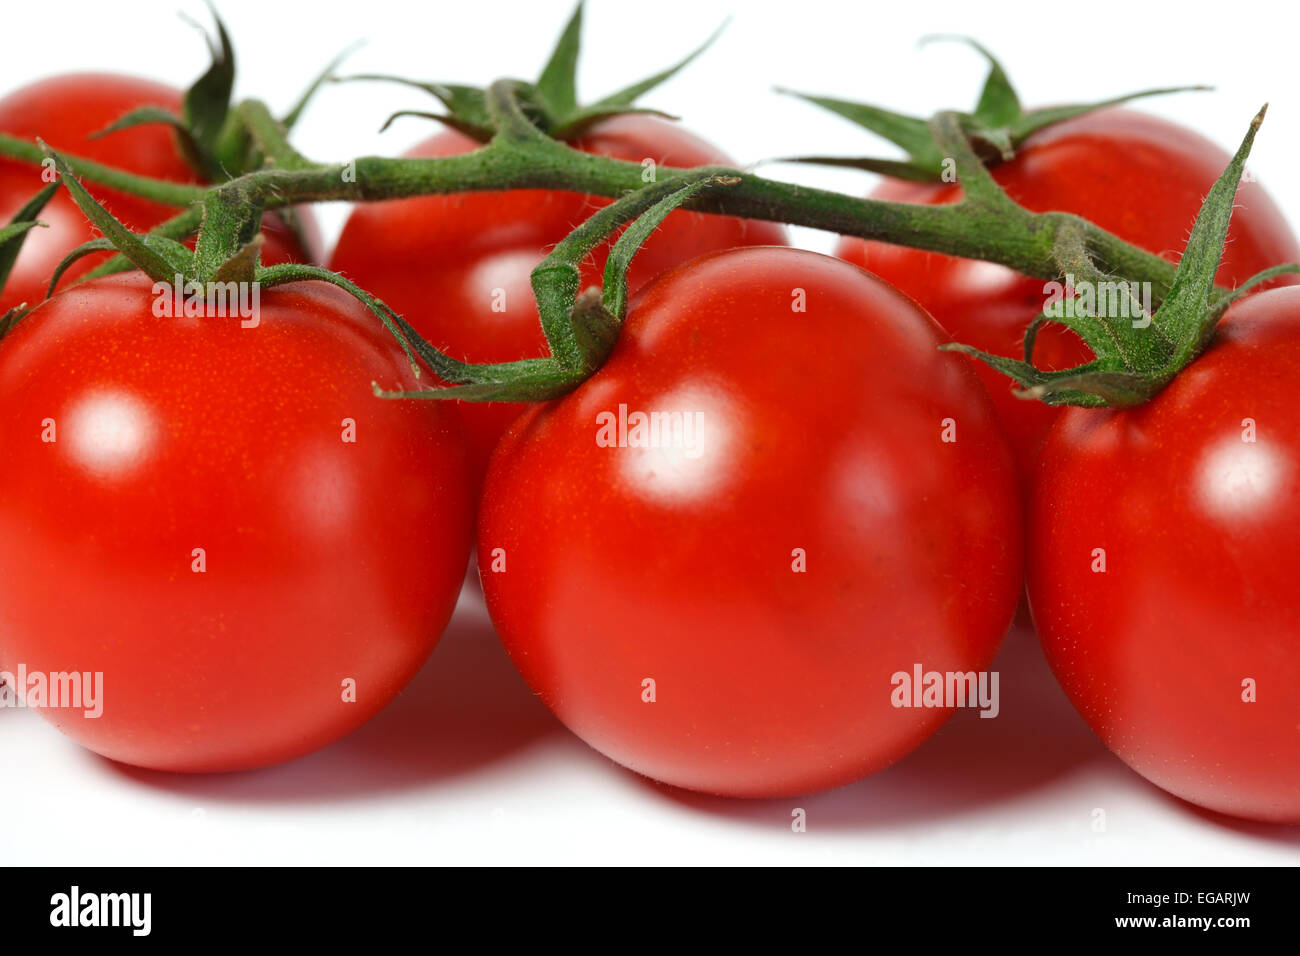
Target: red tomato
[(457, 267), (66, 111), (817, 442), (1194, 498), (1137, 176), (323, 560)]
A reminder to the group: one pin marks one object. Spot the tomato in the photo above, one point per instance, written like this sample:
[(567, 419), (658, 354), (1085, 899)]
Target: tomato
[(1192, 500), (457, 267), (1134, 175), (222, 521), (806, 533), (66, 111)]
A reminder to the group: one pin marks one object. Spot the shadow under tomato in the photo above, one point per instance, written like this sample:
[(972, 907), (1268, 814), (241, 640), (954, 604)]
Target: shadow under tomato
[(466, 709), (1279, 834), (972, 762)]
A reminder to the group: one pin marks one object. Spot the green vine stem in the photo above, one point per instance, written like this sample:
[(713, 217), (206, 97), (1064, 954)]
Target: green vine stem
[(521, 157), (524, 130), (581, 329), (159, 190), (1133, 360)]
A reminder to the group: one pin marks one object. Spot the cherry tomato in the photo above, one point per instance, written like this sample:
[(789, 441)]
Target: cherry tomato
[(1139, 177), (222, 521), (1163, 562), (457, 267), (723, 607), (66, 111)]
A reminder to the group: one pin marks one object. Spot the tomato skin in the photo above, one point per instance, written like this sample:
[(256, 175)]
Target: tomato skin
[(630, 563), (65, 111), (1199, 592), (438, 260), (177, 434), (1137, 176)]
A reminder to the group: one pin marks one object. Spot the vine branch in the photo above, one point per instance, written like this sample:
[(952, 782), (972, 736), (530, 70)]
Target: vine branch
[(999, 232)]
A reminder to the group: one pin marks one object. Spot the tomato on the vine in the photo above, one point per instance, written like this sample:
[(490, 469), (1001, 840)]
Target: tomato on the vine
[(457, 267), (66, 112), (224, 521), (719, 594), (1163, 560), (1137, 176)]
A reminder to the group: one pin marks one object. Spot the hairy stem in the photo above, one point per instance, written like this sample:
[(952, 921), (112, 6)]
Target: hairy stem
[(1023, 241), (159, 190), (270, 136)]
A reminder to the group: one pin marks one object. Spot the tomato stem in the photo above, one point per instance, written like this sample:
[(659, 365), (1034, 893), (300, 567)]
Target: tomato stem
[(997, 126), (1137, 353), (524, 124), (581, 329), (520, 155)]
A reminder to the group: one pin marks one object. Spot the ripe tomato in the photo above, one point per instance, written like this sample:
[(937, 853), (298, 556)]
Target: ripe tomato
[(457, 267), (1192, 501), (1137, 176), (807, 439), (66, 111), (184, 512)]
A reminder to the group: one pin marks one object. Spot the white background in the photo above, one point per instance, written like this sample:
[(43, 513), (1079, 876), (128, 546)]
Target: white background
[(467, 766)]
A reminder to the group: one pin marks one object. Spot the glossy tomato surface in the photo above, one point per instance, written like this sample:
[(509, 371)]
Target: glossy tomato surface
[(1137, 176), (457, 267), (1193, 501), (804, 535), (186, 514), (66, 111)]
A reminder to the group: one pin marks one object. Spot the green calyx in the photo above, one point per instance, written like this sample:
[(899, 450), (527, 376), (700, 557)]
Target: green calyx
[(996, 128), (1138, 352), (581, 327), (550, 103), (210, 133), (205, 109), (11, 243), (235, 258), (160, 258), (221, 141)]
